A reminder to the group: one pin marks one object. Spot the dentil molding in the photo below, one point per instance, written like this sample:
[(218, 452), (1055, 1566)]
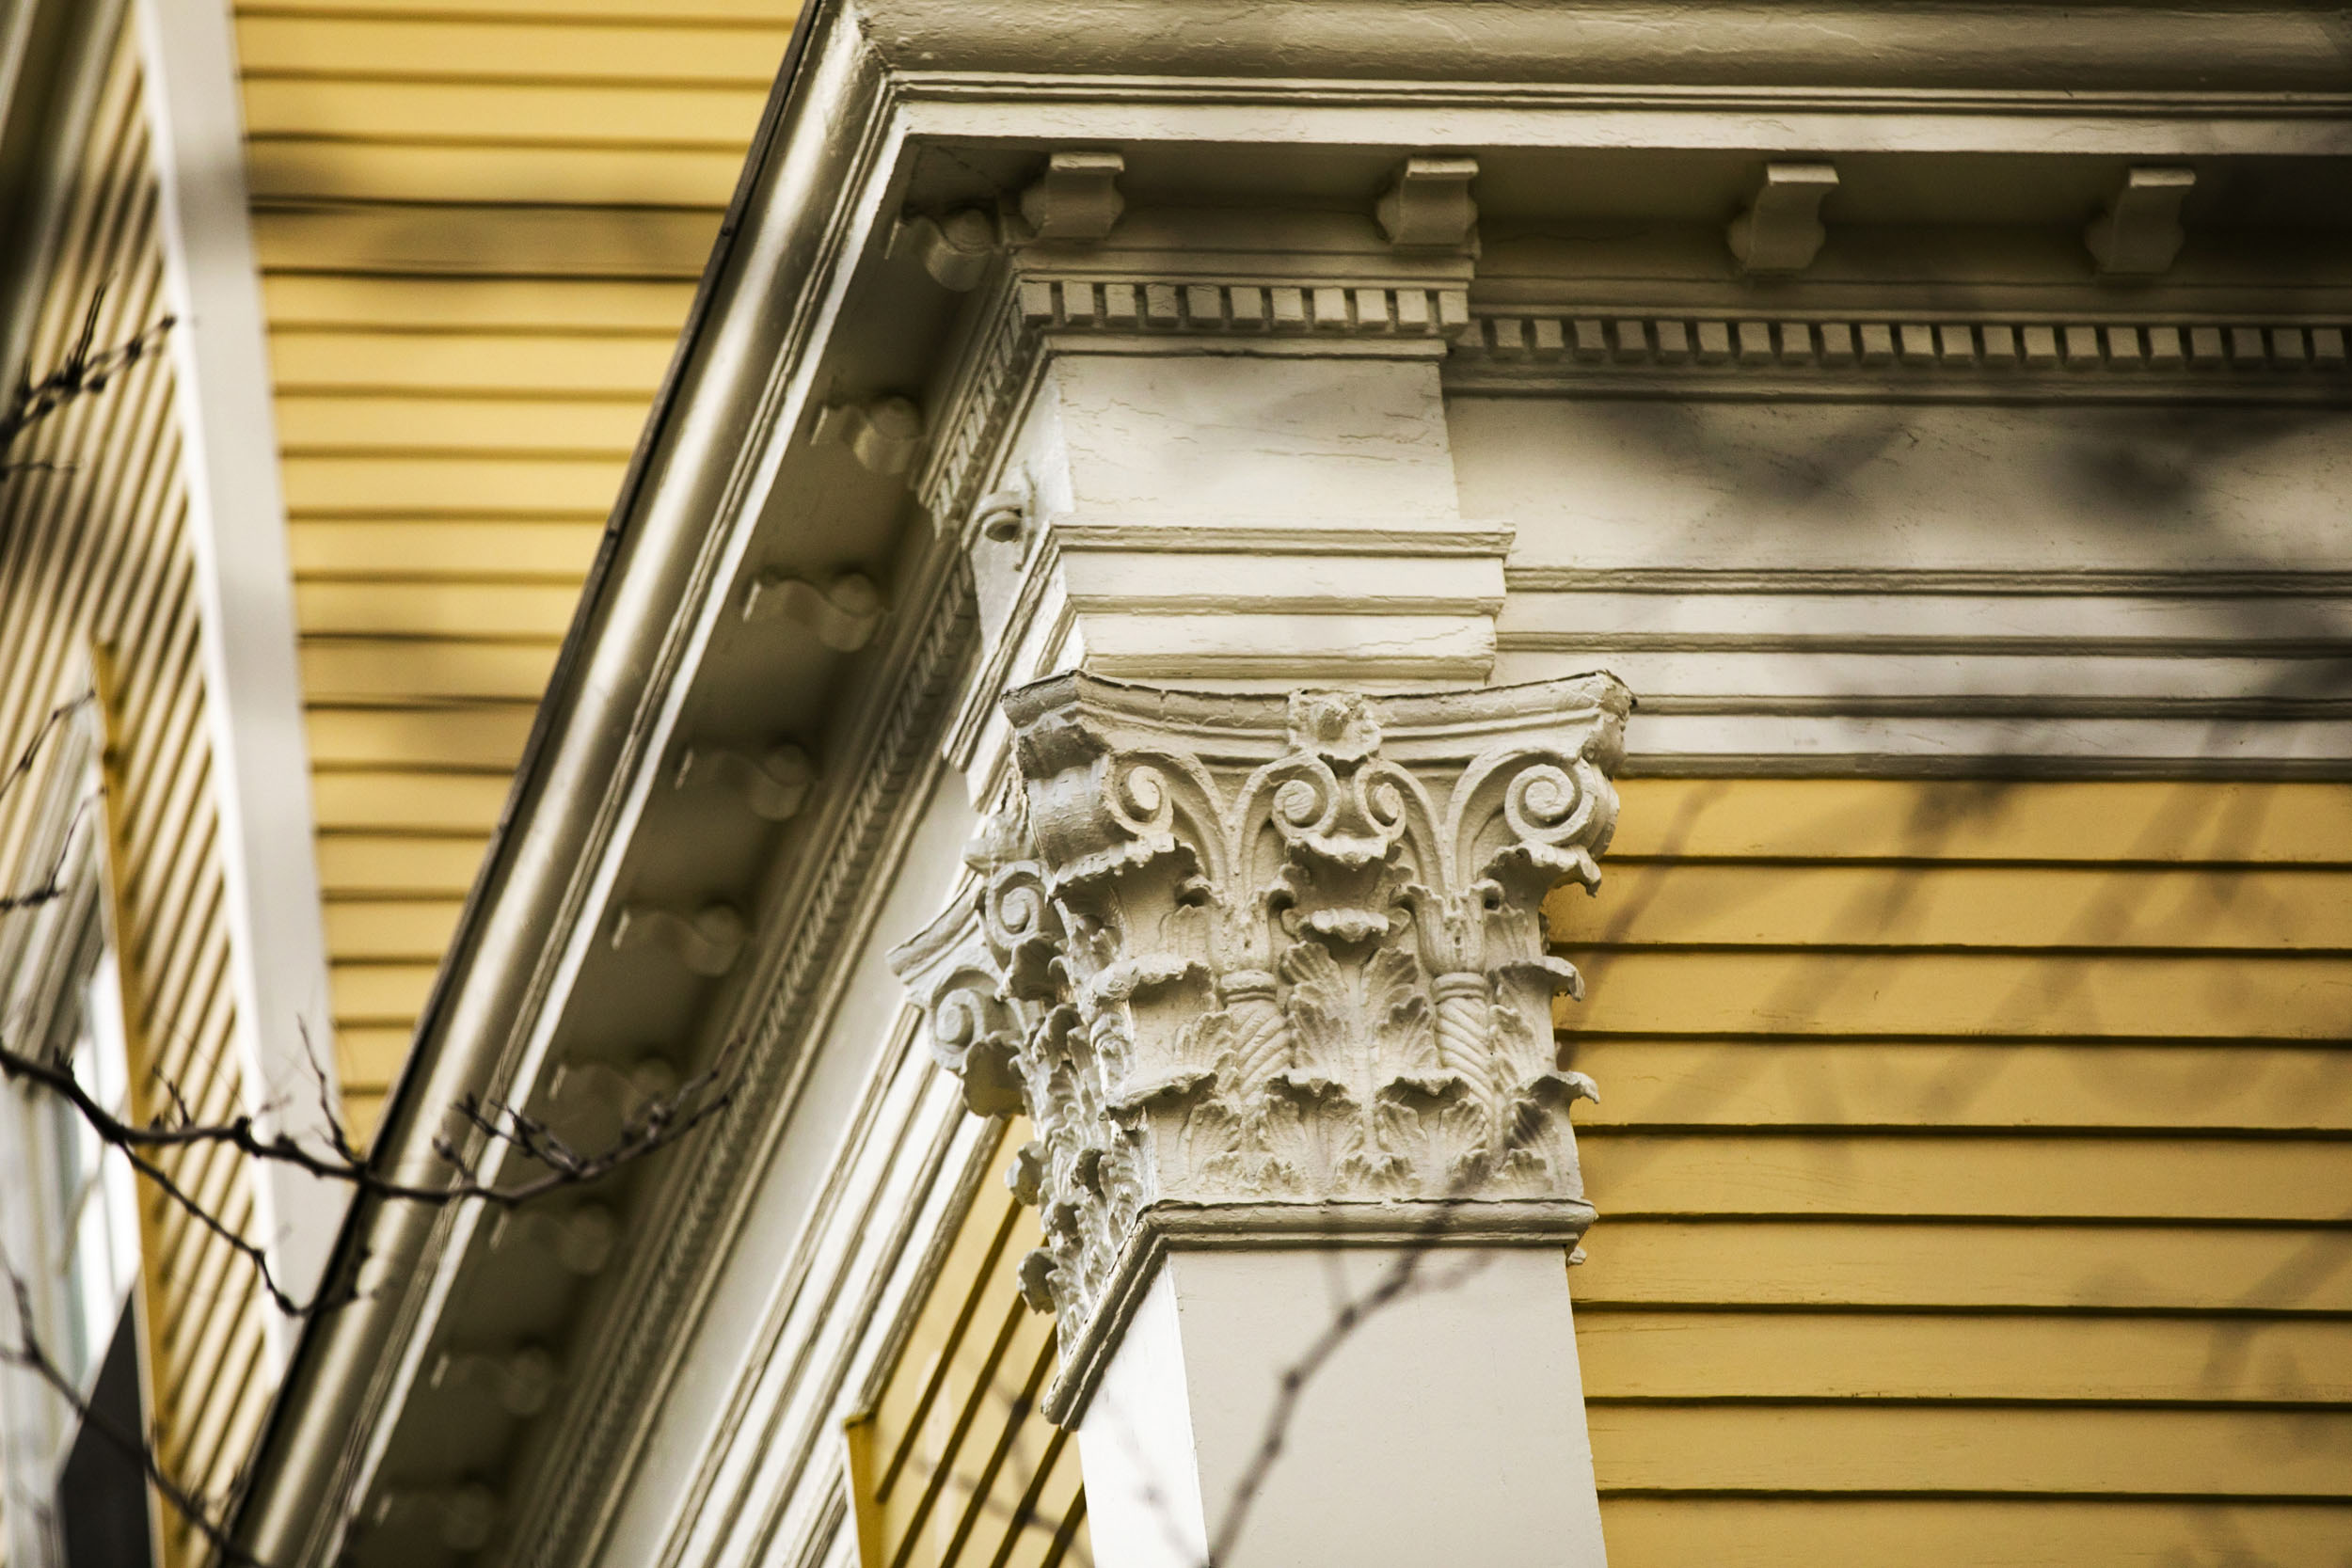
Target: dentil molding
[(1272, 968), (2098, 357)]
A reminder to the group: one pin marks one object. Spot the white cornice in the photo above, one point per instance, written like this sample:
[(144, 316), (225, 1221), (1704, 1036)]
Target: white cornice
[(1485, 114), (1930, 46)]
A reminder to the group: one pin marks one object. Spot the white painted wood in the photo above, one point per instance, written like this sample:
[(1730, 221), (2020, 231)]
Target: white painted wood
[(1613, 484), (772, 1369), (1870, 620), (2070, 675), (253, 690), (1923, 743), (1234, 517), (1446, 1426), (1938, 588)]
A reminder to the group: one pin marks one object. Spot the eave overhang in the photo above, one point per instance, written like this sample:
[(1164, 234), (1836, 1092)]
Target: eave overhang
[(2016, 117)]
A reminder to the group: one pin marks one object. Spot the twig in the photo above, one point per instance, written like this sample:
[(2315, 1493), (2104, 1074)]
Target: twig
[(651, 1127), (51, 884), (83, 372)]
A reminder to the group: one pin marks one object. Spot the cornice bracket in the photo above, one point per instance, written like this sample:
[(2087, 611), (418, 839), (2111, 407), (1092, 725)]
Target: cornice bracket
[(843, 614), (707, 941), (884, 435), (1077, 196), (955, 249), (2138, 232), (1428, 204), (772, 785), (1780, 231)]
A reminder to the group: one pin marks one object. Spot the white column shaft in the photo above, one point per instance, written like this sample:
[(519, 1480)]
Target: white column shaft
[(1444, 1425)]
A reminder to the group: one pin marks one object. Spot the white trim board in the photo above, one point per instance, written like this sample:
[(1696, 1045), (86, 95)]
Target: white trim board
[(245, 581)]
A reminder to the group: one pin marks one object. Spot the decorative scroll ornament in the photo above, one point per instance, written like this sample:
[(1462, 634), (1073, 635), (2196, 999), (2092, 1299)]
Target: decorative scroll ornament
[(1242, 952)]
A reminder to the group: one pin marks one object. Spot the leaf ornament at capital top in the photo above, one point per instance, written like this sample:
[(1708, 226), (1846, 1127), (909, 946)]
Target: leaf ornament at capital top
[(1231, 950)]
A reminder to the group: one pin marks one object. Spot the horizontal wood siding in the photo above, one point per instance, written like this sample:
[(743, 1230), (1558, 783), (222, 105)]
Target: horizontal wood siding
[(1975, 1171), (954, 1467), (480, 224), (94, 552)]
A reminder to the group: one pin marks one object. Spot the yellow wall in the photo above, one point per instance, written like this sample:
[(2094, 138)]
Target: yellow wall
[(480, 223), (953, 1467), (1972, 1173), (97, 551)]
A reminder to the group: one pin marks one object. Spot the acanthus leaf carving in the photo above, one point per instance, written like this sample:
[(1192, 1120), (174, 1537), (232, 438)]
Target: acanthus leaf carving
[(1233, 950)]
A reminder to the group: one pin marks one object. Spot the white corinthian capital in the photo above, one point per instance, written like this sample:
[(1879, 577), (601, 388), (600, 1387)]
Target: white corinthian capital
[(1262, 970)]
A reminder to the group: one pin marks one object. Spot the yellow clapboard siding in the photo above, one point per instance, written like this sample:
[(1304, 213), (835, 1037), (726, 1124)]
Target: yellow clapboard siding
[(1632, 1171), (557, 241), (378, 993), (2253, 1453), (953, 1465), (473, 739), (1050, 1529), (416, 47), (1799, 1533), (1837, 819), (1881, 906), (407, 863), (347, 423), (369, 1058), (393, 609), (717, 117), (388, 802), (363, 1112), (1941, 993), (1880, 1083), (385, 669), (459, 483), (2188, 1267), (533, 363), (380, 929), (480, 226), (97, 588), (2166, 1310), (422, 548), (927, 1363), (374, 485), (296, 170), (1696, 1355), (498, 304)]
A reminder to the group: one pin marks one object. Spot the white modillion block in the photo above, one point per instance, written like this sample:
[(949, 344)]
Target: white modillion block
[(1445, 1425)]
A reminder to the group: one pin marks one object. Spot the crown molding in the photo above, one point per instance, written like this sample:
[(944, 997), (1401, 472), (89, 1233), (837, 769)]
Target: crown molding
[(1935, 46), (1826, 119)]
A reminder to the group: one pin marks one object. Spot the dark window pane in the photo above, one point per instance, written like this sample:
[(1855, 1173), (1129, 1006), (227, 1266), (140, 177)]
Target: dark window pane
[(102, 1496)]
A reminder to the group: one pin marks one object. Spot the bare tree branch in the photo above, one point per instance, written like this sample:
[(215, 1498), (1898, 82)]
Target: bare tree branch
[(50, 886), (85, 372), (653, 1125)]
